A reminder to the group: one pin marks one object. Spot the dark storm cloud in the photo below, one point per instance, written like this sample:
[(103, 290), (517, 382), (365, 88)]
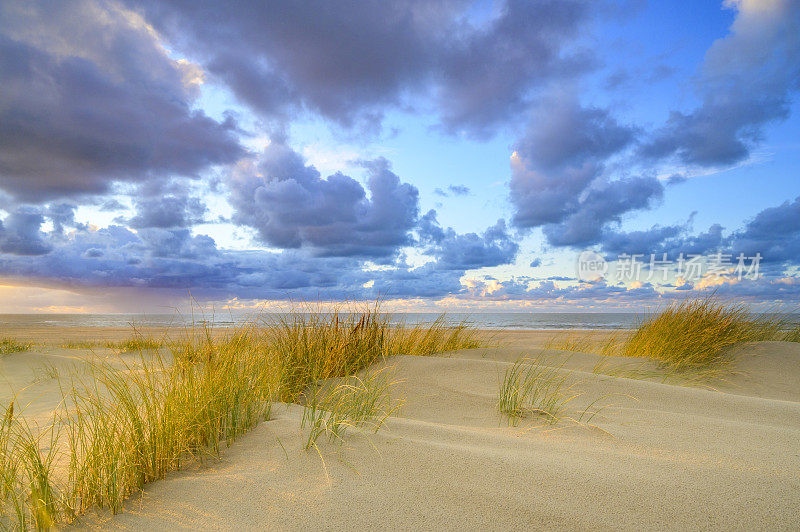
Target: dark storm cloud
[(557, 179), (350, 60), (62, 215), (291, 206), (425, 281), (489, 72), (89, 97), (642, 242), (746, 82), (174, 259), (157, 258)]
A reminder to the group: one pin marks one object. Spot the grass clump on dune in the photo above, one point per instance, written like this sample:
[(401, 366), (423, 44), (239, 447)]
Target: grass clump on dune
[(313, 346), (80, 344), (690, 335), (132, 426), (27, 493), (10, 345), (134, 343), (699, 333)]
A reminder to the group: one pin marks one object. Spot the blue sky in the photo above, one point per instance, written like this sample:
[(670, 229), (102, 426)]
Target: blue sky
[(444, 155)]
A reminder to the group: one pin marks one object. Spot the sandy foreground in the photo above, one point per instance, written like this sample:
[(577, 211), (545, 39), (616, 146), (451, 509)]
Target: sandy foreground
[(658, 456)]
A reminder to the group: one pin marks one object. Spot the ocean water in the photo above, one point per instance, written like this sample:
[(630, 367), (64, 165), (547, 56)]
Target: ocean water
[(482, 320)]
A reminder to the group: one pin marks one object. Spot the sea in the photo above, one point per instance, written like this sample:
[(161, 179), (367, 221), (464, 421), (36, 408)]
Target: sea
[(481, 320)]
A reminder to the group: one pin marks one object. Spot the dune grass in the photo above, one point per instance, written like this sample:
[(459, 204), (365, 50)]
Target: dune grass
[(577, 342), (699, 333), (313, 346), (80, 344), (792, 333), (693, 337), (358, 401), (125, 423), (532, 388), (10, 345), (134, 343)]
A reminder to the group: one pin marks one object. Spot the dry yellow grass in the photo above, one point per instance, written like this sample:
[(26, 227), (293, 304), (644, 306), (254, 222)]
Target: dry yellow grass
[(690, 335), (699, 333), (10, 345)]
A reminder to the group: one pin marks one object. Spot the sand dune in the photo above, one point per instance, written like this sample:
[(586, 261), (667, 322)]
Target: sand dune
[(659, 456)]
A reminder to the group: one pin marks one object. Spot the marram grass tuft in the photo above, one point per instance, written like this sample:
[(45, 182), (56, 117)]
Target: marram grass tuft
[(699, 333)]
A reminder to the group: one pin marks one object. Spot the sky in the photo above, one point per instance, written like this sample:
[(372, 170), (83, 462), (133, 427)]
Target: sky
[(560, 155)]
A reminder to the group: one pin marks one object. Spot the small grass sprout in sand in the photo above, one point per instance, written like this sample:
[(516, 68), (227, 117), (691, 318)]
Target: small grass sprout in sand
[(10, 345), (531, 388), (45, 372), (358, 401)]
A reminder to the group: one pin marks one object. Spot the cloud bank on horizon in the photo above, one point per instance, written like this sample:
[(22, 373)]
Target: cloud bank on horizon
[(166, 147)]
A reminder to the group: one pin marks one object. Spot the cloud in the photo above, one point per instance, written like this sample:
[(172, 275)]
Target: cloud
[(91, 97), (672, 240), (167, 211), (174, 261), (63, 216), (490, 72), (559, 157), (455, 190), (20, 233), (350, 61), (773, 232), (453, 251), (745, 82), (601, 205), (291, 206)]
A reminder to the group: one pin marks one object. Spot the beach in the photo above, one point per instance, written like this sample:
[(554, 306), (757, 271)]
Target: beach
[(655, 454)]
